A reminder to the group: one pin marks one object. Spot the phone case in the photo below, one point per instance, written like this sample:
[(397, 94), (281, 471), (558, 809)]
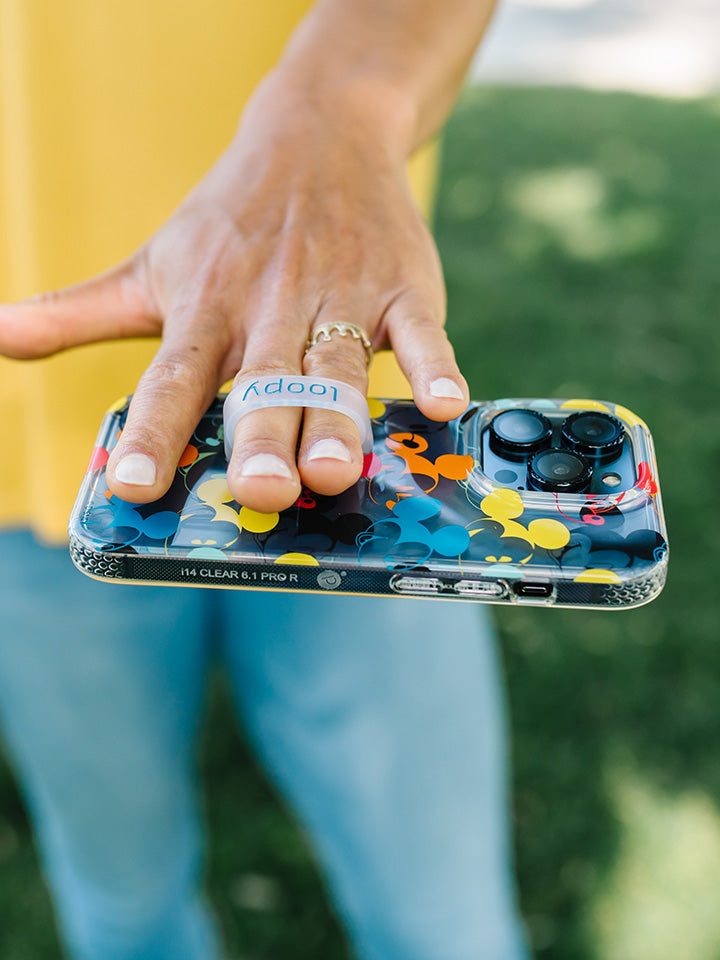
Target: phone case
[(445, 510)]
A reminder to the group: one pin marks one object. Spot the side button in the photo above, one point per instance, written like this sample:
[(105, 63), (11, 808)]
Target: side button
[(418, 586), (480, 588)]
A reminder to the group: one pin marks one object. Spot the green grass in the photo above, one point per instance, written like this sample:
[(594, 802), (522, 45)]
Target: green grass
[(580, 235), (581, 240)]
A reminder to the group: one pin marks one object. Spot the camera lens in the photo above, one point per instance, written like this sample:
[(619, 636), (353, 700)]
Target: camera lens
[(559, 471), (518, 434), (593, 434)]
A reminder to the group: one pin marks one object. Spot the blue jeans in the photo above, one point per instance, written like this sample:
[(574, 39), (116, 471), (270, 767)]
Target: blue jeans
[(380, 720)]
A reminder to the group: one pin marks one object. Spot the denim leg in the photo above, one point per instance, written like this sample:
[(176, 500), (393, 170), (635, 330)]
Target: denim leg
[(100, 690), (383, 721)]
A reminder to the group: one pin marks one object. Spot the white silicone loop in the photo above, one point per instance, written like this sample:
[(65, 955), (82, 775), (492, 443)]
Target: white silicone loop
[(292, 391)]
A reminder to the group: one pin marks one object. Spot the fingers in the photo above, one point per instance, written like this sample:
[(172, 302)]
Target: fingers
[(266, 470), (262, 472), (169, 401), (112, 305), (426, 357), (331, 456)]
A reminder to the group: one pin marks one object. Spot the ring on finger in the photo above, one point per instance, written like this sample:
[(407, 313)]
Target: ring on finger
[(324, 331)]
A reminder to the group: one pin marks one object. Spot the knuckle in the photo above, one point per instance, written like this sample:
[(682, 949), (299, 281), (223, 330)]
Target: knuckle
[(175, 369), (322, 426), (342, 361), (418, 303), (139, 436), (421, 322), (251, 440), (267, 367)]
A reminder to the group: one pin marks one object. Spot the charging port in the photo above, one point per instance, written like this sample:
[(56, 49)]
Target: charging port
[(533, 589)]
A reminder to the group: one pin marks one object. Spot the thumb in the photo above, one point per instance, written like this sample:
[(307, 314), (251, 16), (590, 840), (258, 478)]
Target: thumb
[(111, 306)]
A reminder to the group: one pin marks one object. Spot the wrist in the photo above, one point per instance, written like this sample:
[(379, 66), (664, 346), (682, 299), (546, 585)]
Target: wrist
[(353, 104)]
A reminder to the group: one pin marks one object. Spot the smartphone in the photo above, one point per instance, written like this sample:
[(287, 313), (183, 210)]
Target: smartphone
[(519, 501)]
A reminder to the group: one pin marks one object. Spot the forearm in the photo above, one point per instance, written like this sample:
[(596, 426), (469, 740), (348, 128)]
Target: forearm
[(398, 63)]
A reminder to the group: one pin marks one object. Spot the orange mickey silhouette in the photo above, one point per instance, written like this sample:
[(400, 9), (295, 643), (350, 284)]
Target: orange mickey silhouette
[(409, 448)]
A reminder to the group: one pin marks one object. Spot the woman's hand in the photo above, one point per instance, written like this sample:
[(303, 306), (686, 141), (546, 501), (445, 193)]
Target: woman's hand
[(306, 218)]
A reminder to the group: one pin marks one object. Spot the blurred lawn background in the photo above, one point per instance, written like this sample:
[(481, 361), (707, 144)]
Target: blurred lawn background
[(580, 236)]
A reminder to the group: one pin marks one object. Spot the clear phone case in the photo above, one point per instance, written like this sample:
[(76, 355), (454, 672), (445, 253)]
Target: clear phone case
[(537, 501)]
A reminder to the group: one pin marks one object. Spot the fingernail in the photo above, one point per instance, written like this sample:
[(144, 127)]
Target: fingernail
[(137, 469), (329, 449), (446, 389), (265, 465)]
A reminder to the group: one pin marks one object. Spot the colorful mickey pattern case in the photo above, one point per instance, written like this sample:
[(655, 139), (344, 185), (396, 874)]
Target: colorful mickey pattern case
[(435, 514)]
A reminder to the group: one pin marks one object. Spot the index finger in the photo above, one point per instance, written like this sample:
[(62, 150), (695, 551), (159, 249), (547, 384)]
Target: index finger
[(170, 399)]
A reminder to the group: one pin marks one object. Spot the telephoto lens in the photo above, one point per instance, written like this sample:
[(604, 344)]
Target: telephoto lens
[(518, 434), (595, 435), (559, 471)]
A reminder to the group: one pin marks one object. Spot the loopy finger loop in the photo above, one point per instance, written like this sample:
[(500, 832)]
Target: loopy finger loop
[(324, 331), (296, 391)]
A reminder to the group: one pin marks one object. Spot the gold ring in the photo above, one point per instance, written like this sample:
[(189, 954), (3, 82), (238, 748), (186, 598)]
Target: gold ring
[(325, 331)]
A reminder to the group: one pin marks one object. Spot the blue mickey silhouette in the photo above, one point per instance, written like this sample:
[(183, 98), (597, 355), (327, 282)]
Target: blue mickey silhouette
[(157, 526), (404, 531)]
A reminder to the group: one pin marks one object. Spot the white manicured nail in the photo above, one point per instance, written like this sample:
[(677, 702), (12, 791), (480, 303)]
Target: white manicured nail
[(329, 449), (265, 465), (446, 389), (137, 469)]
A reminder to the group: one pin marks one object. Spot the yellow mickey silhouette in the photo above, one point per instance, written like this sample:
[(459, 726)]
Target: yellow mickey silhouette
[(505, 505), (215, 494), (548, 533)]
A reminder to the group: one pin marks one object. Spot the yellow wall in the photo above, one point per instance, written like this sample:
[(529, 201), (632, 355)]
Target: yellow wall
[(110, 112)]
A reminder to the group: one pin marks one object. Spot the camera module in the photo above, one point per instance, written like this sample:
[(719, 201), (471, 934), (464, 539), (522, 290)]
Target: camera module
[(592, 434), (517, 434), (559, 471)]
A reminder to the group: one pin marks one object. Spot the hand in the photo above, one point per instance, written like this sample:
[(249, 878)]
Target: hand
[(306, 218)]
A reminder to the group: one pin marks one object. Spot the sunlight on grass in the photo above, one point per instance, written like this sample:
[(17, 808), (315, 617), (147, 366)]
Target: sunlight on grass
[(661, 900), (571, 205)]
